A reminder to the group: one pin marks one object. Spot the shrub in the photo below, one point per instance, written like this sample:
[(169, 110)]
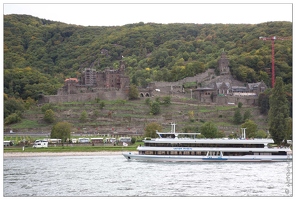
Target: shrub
[(96, 113), (237, 118), (150, 130), (12, 118), (209, 130), (147, 101), (247, 115), (166, 100), (46, 107), (191, 115), (240, 104), (83, 116), (133, 140), (133, 92), (49, 116), (261, 134), (202, 120), (120, 102), (102, 104), (155, 108)]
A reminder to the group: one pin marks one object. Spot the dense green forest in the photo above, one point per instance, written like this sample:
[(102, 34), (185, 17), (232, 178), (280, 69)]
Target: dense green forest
[(39, 54)]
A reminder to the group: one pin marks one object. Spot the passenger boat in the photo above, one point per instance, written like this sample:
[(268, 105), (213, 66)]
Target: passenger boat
[(171, 146)]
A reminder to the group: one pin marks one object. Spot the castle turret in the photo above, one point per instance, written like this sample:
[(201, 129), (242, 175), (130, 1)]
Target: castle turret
[(223, 64)]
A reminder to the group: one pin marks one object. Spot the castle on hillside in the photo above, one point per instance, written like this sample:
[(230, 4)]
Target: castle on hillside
[(223, 64), (94, 80), (225, 89), (211, 89), (112, 84)]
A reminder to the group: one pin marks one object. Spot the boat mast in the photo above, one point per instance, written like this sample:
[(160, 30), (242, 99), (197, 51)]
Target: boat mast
[(173, 128), (243, 133)]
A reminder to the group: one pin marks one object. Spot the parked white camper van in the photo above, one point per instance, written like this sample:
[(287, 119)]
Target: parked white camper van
[(74, 140), (40, 143)]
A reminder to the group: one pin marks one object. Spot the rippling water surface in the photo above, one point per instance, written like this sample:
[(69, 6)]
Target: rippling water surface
[(115, 176)]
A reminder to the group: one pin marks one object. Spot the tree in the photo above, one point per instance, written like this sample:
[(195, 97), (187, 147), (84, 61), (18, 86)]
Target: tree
[(190, 129), (166, 100), (237, 118), (261, 134), (209, 130), (247, 115), (83, 116), (155, 108), (49, 116), (240, 104), (61, 130), (289, 123), (12, 118), (13, 105), (46, 107), (29, 103), (245, 74), (133, 92), (151, 128), (263, 102), (251, 128), (51, 58), (278, 112), (186, 56)]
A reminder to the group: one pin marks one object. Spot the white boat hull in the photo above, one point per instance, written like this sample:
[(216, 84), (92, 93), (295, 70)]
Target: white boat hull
[(170, 158)]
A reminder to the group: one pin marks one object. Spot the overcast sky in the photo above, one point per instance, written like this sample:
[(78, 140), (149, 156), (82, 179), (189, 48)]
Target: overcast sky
[(127, 13)]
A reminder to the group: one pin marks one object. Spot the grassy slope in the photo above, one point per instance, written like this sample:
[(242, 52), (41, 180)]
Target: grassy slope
[(128, 117), (134, 116)]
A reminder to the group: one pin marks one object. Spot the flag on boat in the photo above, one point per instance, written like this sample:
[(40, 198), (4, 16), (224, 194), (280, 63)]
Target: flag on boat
[(125, 144)]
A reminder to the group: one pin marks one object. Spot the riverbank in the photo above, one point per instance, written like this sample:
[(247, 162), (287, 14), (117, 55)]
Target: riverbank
[(34, 154)]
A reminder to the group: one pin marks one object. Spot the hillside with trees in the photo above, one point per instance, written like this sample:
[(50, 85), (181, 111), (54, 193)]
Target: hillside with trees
[(40, 54)]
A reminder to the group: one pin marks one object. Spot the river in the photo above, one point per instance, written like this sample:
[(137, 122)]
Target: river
[(114, 176)]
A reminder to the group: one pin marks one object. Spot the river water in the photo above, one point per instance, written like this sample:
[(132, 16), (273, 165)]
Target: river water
[(114, 176)]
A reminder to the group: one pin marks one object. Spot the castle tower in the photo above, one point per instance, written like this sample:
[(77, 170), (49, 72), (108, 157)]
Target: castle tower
[(122, 66), (223, 64), (89, 76)]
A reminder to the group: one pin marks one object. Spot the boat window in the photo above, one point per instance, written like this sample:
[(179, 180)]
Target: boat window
[(267, 154), (204, 145), (280, 153)]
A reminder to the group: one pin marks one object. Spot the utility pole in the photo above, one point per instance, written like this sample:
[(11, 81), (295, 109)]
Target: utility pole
[(273, 38)]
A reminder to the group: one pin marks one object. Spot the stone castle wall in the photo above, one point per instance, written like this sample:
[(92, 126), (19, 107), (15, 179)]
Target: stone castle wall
[(103, 95), (207, 75), (245, 100)]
